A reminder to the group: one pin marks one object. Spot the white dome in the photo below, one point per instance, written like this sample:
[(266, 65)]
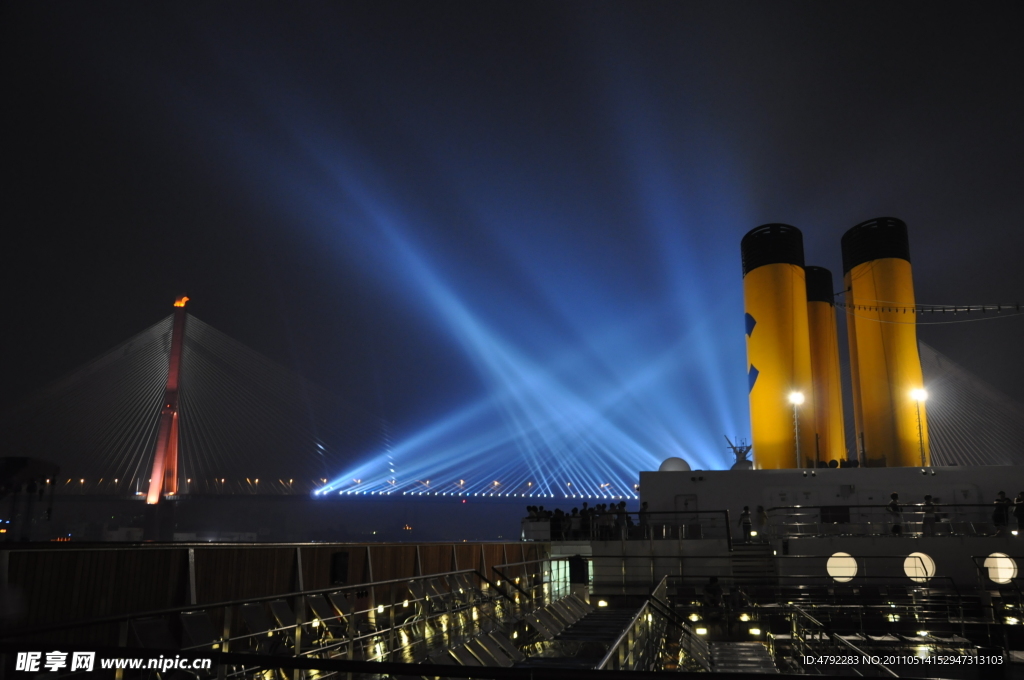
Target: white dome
[(674, 464)]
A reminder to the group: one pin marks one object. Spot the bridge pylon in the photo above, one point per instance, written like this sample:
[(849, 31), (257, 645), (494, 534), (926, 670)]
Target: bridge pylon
[(163, 479)]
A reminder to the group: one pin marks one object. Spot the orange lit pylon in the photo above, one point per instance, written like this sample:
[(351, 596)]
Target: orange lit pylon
[(164, 476)]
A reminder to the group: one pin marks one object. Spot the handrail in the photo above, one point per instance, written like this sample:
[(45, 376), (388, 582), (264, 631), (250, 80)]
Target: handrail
[(882, 506), (978, 561), (614, 647), (845, 643), (97, 546), (637, 512), (649, 518), (539, 559), (624, 635), (665, 609), (497, 568), (888, 578), (116, 618), (511, 582)]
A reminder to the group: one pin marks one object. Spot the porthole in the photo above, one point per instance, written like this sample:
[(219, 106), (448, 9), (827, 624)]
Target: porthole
[(919, 567), (1001, 567), (842, 567)]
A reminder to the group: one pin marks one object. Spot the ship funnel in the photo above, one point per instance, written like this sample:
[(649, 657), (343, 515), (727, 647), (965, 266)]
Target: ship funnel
[(828, 390), (782, 421), (885, 367)]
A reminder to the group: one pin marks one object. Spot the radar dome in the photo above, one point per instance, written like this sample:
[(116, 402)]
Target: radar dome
[(674, 464)]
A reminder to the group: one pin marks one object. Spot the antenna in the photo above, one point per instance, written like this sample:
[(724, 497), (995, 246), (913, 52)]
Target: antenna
[(740, 450)]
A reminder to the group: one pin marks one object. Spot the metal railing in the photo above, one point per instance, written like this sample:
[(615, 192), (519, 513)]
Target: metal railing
[(630, 526), (398, 620), (963, 519), (691, 645), (810, 638), (804, 578), (612, 573), (538, 582), (638, 647)]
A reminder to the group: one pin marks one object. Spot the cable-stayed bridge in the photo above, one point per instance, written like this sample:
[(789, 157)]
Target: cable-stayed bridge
[(969, 421), (244, 425)]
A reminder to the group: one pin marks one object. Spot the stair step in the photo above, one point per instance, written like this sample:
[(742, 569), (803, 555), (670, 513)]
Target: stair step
[(741, 657)]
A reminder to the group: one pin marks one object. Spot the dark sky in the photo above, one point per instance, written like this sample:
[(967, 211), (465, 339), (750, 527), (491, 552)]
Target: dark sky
[(559, 170)]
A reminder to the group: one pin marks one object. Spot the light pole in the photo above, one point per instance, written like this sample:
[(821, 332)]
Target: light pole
[(919, 396), (796, 398)]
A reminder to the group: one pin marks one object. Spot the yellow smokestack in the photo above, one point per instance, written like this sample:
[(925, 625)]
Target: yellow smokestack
[(889, 413), (828, 390), (778, 347)]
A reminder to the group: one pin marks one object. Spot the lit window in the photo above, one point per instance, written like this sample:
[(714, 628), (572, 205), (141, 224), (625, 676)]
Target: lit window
[(842, 567), (919, 567), (1001, 568)]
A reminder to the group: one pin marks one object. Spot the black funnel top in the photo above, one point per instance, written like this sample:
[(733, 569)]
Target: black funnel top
[(772, 244), (874, 240), (819, 285)]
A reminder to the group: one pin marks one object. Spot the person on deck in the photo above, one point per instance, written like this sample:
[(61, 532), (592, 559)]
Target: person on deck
[(928, 522), (895, 514), (746, 523), (1001, 514)]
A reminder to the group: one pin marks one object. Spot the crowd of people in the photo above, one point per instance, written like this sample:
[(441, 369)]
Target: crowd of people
[(602, 521), (605, 521)]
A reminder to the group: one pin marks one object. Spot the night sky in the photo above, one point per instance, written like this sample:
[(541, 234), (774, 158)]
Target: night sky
[(428, 205)]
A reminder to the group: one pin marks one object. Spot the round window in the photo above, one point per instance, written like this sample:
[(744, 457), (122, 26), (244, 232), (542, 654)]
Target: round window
[(919, 567), (842, 567), (1001, 567)]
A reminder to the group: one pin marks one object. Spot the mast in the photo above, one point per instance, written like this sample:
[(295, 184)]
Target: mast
[(163, 479)]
